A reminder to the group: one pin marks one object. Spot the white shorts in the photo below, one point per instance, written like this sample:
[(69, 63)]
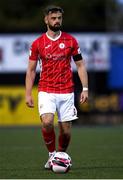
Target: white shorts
[(63, 104)]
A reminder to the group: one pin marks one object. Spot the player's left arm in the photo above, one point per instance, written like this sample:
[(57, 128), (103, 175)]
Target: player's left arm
[(82, 72)]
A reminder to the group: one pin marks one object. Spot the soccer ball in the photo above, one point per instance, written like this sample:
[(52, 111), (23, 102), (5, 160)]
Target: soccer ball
[(61, 162)]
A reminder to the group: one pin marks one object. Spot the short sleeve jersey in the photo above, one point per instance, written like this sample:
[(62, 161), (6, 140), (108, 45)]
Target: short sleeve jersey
[(55, 56)]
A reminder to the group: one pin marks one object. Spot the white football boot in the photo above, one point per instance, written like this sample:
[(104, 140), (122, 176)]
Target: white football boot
[(47, 165)]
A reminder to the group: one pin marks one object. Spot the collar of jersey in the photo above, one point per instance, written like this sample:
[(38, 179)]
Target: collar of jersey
[(54, 39)]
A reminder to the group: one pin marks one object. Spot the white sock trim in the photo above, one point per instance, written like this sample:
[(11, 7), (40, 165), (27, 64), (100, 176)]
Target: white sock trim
[(51, 153)]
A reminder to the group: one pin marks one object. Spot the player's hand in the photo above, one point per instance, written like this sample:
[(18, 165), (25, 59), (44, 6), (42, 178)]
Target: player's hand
[(83, 96), (29, 101)]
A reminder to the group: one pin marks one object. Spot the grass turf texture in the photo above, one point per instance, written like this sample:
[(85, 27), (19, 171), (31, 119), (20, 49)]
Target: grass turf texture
[(97, 152)]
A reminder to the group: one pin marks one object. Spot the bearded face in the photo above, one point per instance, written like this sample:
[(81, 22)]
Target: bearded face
[(54, 21), (55, 27)]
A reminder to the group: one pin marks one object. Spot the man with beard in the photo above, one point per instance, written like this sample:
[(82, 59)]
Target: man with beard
[(56, 89)]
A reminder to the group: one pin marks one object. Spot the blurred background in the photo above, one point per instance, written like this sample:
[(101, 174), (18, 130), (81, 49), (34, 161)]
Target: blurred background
[(97, 25)]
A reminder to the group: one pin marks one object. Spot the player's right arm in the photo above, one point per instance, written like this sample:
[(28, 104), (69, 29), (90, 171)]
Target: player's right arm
[(30, 77)]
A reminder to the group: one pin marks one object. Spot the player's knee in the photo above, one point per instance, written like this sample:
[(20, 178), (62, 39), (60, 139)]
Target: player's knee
[(66, 134), (47, 124), (65, 131)]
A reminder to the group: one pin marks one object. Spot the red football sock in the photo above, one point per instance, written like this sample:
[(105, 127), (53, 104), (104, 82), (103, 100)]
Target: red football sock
[(49, 138), (63, 142)]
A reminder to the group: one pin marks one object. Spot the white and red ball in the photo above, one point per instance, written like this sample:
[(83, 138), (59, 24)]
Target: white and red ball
[(61, 162)]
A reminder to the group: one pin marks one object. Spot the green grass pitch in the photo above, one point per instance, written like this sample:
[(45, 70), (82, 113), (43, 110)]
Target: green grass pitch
[(97, 152)]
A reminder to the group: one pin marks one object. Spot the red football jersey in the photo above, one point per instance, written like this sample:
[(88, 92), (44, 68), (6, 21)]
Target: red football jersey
[(55, 56)]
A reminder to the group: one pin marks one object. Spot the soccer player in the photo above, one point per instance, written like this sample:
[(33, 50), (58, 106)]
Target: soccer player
[(56, 89)]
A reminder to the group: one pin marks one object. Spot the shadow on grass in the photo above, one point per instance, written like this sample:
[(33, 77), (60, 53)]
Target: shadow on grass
[(97, 167)]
